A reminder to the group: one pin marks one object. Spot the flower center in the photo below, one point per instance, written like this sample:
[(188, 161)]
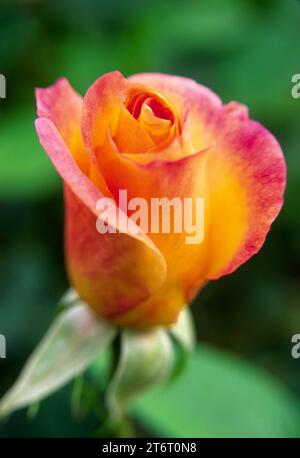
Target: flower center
[(152, 113)]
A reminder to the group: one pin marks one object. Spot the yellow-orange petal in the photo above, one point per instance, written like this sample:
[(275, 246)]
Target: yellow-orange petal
[(248, 177), (199, 104), (240, 173), (157, 128), (112, 272), (139, 119), (104, 109), (246, 171), (160, 179)]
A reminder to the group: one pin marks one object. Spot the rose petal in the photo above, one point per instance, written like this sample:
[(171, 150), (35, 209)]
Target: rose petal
[(62, 105), (200, 103), (249, 157), (240, 172), (158, 128), (112, 272), (160, 179), (104, 108), (246, 170)]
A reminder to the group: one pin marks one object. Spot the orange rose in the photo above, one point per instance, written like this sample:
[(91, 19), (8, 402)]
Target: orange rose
[(157, 136)]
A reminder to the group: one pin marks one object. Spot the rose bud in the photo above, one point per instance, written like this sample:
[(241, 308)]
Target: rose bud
[(157, 136)]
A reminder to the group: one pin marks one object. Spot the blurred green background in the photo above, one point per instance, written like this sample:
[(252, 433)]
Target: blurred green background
[(243, 380)]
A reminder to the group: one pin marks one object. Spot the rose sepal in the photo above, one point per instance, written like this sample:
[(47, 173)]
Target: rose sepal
[(78, 340)]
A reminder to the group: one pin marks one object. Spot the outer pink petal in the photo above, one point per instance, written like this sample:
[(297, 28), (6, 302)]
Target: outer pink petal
[(112, 272), (256, 159), (62, 105)]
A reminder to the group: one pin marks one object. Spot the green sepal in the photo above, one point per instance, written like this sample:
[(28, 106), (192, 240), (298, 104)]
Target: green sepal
[(145, 360), (74, 340)]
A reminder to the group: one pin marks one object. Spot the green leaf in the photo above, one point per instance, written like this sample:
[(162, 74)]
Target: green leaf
[(146, 360), (72, 343), (221, 396)]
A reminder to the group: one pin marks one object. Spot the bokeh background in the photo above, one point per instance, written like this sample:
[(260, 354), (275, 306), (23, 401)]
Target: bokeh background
[(242, 380)]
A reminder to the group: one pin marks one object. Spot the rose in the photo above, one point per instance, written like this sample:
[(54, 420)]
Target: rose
[(156, 135)]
